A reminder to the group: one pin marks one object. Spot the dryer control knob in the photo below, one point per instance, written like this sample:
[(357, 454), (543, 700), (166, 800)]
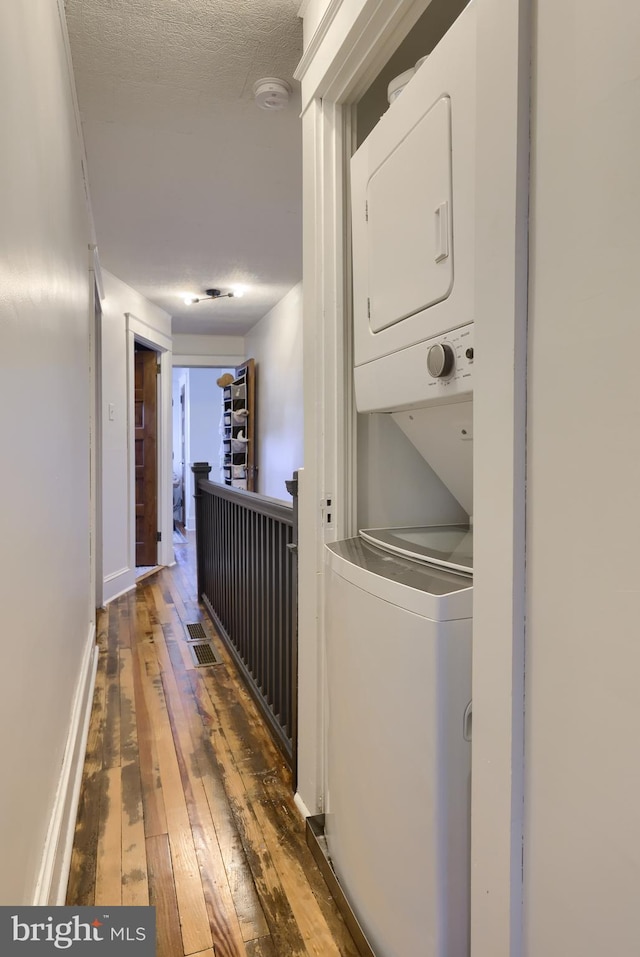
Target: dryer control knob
[(440, 360)]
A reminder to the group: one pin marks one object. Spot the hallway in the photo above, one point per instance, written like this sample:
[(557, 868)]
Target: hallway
[(186, 803)]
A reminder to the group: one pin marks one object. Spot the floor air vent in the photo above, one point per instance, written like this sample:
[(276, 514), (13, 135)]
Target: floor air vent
[(196, 632), (203, 654)]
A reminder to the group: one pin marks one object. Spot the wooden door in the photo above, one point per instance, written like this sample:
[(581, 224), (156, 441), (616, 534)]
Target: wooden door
[(146, 458)]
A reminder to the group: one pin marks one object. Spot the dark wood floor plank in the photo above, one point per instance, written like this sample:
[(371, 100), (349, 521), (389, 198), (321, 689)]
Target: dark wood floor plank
[(111, 752), (244, 729), (162, 896), (278, 806), (135, 884), (248, 908), (277, 908), (174, 633), (232, 858), (225, 929), (135, 890), (176, 597), (128, 725), (261, 947), (102, 628), (155, 819), (109, 852), (189, 892), (82, 873), (293, 869), (154, 596), (125, 623)]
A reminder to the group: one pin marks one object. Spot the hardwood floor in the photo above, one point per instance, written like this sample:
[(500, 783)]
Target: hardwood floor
[(186, 803)]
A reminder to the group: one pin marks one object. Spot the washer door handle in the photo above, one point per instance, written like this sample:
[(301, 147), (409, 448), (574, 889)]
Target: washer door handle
[(467, 722)]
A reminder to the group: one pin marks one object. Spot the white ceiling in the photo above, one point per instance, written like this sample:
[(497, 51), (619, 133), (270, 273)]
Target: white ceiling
[(192, 185)]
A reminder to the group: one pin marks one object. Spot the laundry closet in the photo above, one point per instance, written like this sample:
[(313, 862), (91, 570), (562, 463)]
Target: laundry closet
[(399, 593)]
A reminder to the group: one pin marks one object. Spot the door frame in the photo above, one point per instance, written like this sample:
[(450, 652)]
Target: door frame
[(183, 453), (346, 51), (140, 331), (219, 363), (95, 437)]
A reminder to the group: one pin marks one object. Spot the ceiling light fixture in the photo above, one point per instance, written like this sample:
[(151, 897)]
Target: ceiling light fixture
[(209, 294)]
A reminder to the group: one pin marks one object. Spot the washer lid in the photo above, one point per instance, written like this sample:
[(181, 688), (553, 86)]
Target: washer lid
[(447, 546), (434, 593)]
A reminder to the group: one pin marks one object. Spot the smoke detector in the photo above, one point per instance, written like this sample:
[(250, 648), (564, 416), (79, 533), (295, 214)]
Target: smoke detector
[(271, 93)]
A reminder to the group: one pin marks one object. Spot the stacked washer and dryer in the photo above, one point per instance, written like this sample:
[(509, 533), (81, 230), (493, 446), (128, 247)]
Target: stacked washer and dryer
[(399, 600)]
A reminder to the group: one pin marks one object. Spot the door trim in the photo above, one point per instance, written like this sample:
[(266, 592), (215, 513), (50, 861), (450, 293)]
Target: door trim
[(138, 330), (95, 443)]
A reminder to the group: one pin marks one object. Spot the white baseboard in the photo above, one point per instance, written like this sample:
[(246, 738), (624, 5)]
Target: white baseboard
[(51, 887), (117, 584), (302, 807)]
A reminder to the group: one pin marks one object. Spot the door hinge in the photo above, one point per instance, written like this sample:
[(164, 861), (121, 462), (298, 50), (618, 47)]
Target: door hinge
[(158, 536), (366, 212), (158, 369), (368, 309)]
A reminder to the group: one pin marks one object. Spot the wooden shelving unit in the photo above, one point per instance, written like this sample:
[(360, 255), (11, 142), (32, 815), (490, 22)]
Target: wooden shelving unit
[(238, 429)]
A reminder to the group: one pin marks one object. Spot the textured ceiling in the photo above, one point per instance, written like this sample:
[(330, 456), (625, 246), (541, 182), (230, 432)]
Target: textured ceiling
[(192, 185)]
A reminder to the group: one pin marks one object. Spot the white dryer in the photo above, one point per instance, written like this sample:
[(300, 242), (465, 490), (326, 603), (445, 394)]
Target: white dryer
[(412, 195)]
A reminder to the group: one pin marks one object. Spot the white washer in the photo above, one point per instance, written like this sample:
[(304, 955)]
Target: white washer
[(399, 686)]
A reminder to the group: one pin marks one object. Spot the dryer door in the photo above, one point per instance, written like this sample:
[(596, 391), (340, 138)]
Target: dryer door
[(409, 219)]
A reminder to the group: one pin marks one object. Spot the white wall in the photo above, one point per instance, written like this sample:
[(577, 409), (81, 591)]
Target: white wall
[(119, 575), (190, 350), (582, 850), (204, 410), (179, 380), (396, 486), (276, 345), (45, 302)]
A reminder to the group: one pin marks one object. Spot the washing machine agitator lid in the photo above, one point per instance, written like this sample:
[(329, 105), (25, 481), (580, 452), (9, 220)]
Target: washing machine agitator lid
[(447, 546)]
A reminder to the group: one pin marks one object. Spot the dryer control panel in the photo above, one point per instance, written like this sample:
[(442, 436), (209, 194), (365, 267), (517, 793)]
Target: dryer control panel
[(449, 363), (432, 372)]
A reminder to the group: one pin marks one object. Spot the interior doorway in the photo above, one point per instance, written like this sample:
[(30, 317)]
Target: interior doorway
[(197, 415), (159, 345)]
